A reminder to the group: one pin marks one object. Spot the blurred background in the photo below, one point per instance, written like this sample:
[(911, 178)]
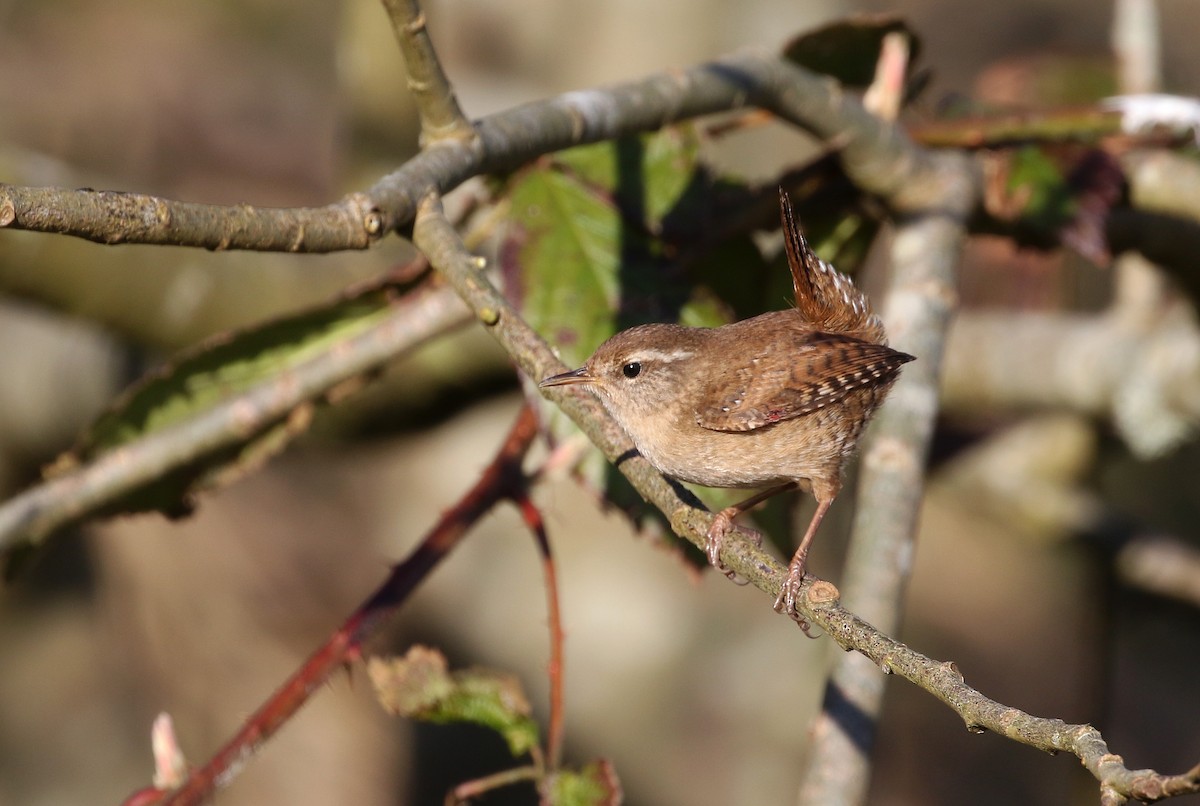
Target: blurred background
[(694, 688)]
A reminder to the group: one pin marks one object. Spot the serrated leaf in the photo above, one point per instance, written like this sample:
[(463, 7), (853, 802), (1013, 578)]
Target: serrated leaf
[(420, 686)]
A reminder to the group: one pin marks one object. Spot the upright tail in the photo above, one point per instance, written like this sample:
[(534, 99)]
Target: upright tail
[(825, 297)]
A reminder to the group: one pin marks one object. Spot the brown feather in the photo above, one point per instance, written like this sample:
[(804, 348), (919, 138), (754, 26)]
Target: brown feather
[(825, 298), (823, 369)]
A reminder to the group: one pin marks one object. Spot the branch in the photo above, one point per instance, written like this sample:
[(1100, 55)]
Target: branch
[(1144, 375), (1162, 565), (818, 600), (918, 309), (1163, 182), (112, 217), (877, 155), (441, 117), (440, 243), (34, 513)]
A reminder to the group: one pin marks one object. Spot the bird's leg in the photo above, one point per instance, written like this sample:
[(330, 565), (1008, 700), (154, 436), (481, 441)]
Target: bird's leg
[(786, 603), (723, 523)]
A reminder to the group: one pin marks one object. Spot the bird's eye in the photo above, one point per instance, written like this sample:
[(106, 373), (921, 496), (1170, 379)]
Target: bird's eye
[(632, 369)]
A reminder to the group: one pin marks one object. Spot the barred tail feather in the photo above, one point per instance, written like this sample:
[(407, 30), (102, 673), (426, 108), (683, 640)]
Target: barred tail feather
[(825, 297)]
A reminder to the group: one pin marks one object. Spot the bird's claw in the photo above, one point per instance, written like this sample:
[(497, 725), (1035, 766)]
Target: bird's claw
[(789, 594), (721, 526)]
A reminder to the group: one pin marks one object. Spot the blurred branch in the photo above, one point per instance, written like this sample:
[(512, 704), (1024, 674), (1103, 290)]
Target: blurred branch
[(1161, 565), (919, 306), (441, 117), (1163, 182), (38, 511), (1135, 41), (1032, 476), (1144, 375), (536, 524), (501, 479), (1074, 124)]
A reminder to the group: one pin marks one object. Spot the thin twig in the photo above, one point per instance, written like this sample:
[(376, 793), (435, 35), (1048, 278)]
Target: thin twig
[(501, 479), (979, 713), (554, 735), (441, 117), (818, 599), (466, 791)]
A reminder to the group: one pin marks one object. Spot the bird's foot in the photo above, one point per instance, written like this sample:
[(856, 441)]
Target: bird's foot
[(721, 526), (789, 594)]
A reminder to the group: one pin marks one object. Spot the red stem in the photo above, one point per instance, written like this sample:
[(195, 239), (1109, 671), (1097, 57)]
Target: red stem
[(554, 670), (500, 480)]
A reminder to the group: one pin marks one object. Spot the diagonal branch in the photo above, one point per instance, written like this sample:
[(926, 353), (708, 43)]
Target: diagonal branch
[(819, 600), (979, 713)]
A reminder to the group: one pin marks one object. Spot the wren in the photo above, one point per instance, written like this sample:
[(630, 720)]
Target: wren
[(778, 400)]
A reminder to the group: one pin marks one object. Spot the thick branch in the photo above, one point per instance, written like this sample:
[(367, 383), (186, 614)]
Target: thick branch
[(1163, 182), (112, 217), (1144, 375), (877, 155)]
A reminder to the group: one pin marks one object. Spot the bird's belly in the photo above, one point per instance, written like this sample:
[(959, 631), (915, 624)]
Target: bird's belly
[(785, 451)]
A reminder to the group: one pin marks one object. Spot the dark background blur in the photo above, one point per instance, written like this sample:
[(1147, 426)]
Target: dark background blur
[(697, 691)]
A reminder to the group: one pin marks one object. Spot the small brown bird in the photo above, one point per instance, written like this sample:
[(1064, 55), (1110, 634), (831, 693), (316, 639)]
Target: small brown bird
[(779, 399)]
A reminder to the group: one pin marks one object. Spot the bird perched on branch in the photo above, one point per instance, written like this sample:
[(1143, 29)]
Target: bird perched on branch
[(776, 401)]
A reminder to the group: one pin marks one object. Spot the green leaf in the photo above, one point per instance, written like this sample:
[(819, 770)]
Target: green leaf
[(420, 686), (595, 785), (647, 176), (1038, 183)]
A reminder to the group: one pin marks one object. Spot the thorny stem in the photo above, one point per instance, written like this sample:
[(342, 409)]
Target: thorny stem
[(554, 741), (501, 479)]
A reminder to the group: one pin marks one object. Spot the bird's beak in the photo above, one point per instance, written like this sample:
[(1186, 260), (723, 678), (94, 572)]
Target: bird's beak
[(580, 375)]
